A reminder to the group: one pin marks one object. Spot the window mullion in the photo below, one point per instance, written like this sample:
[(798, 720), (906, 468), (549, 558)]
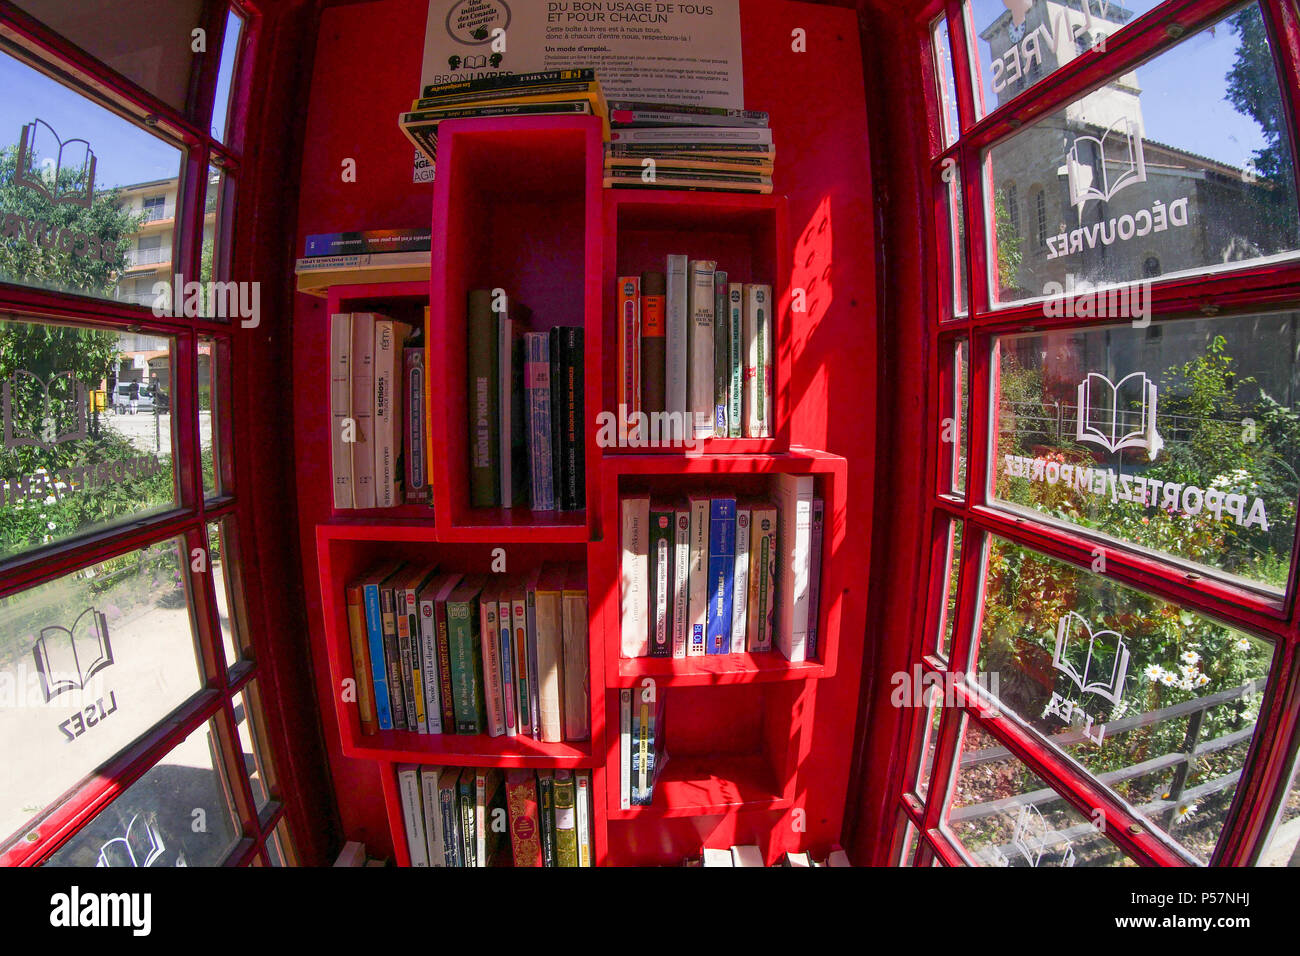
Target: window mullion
[(206, 65)]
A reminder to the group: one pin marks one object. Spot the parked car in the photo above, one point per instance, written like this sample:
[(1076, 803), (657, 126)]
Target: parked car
[(122, 398)]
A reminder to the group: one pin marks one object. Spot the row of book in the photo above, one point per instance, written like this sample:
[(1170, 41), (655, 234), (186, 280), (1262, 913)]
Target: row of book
[(672, 146), (378, 419), (437, 653), (695, 344), (574, 92), (717, 574), (480, 816), (753, 856), (525, 408), (641, 748)]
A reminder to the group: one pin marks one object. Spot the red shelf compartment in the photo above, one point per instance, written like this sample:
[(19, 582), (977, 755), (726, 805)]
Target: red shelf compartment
[(517, 207), (748, 236)]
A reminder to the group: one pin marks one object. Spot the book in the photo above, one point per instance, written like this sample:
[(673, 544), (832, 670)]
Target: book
[(408, 785), (510, 405), (653, 343), (433, 832), (370, 594), (717, 857), (399, 674), (577, 692), (352, 854), (370, 262), (525, 824), (435, 653), (421, 126), (530, 618), (546, 811), (628, 397), (675, 163), (465, 646), (566, 819), (740, 589), (735, 360), (698, 575), (758, 361), (506, 81), (490, 651), (489, 808), (541, 93), (796, 859), (549, 592), (681, 578), (361, 672), (468, 818), (746, 856), (838, 857), (483, 370), (537, 383), (634, 577), (722, 569), (676, 336), (572, 495), (387, 410), (794, 494), (341, 425), (662, 533), (449, 814), (721, 353), (691, 152), (415, 427), (818, 515), (406, 607), (749, 136), (625, 748), (700, 347), (367, 241), (582, 806), (523, 666), (625, 113), (647, 756), (363, 398), (761, 614), (506, 638), (757, 183)]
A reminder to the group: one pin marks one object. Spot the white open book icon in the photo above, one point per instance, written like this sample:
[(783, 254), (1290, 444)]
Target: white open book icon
[(1105, 657), (67, 658), (141, 845), (1099, 167), (61, 171), (1119, 414), (43, 413)]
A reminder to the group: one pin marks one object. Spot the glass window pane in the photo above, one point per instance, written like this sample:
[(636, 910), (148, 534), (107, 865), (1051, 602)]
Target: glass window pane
[(217, 303), (210, 392), (219, 555), (88, 663), (1158, 703), (1005, 815), (1181, 438), (1181, 166), (147, 41), (956, 428), (929, 739), (909, 832), (1020, 42), (1283, 845), (279, 846), (226, 75), (86, 420), (256, 754), (178, 814), (952, 568), (74, 183), (954, 209), (947, 83)]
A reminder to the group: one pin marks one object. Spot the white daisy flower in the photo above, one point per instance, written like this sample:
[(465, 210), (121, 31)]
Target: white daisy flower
[(1190, 657), (1187, 670), (1241, 644), (51, 525), (1201, 680), (1185, 811), (1184, 684), (1168, 678), (1154, 672)]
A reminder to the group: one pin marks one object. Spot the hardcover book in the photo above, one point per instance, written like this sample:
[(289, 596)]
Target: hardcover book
[(566, 819), (483, 371), (661, 535), (700, 358), (537, 382), (722, 569), (465, 645), (525, 825), (758, 362), (415, 418), (794, 494), (546, 810), (634, 579)]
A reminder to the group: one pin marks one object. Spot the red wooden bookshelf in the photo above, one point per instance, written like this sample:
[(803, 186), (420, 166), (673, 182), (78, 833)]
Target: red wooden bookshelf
[(759, 748)]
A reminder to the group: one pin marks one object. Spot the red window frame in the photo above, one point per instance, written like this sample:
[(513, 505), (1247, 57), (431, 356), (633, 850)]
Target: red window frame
[(238, 502), (1266, 774)]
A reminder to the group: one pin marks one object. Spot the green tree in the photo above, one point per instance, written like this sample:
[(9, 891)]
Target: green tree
[(1009, 240)]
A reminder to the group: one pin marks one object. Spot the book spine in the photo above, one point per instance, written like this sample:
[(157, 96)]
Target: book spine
[(794, 530), (490, 646), (721, 354), (566, 822), (361, 660), (699, 576), (696, 134), (736, 360), (505, 81), (550, 665), (341, 425), (415, 423), (681, 580), (413, 815), (629, 351), (429, 670), (546, 810), (508, 680), (466, 666), (722, 569), (711, 114), (363, 397), (758, 365), (367, 241), (432, 815), (637, 759), (559, 464), (481, 822), (505, 408), (534, 689), (577, 696), (815, 571), (647, 117), (634, 640), (519, 644), (574, 452), (445, 695), (675, 344), (482, 362), (378, 661), (700, 349), (397, 667), (448, 806), (582, 804), (625, 748), (661, 536), (416, 119), (653, 346), (537, 381), (525, 831), (740, 593), (468, 828), (387, 428), (645, 751), (504, 96), (762, 579), (408, 636)]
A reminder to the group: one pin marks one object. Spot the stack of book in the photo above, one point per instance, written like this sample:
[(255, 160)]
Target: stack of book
[(670, 146), (379, 453), (446, 653), (753, 856), (372, 255), (717, 574), (548, 93), (450, 816), (641, 750), (694, 355), (525, 408)]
